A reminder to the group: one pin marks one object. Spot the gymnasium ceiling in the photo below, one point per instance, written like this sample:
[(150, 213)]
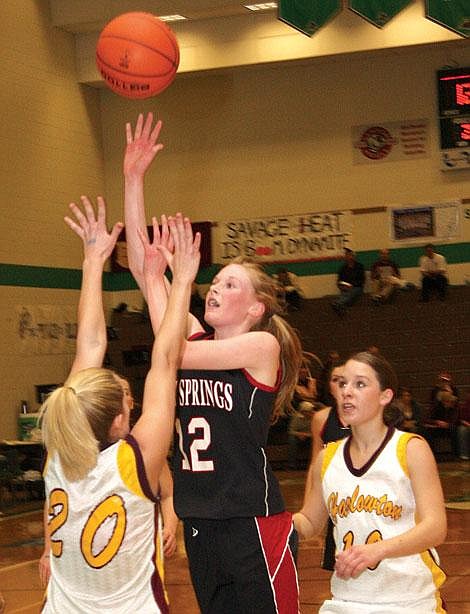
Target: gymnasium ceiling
[(223, 34)]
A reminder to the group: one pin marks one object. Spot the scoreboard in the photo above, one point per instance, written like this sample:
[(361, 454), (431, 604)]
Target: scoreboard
[(453, 88)]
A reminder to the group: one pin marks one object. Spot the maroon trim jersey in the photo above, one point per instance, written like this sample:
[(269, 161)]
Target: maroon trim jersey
[(103, 532), (220, 464)]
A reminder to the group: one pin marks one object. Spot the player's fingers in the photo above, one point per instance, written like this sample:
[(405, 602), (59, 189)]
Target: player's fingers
[(156, 133), (138, 126), (143, 236), (128, 133), (147, 125), (74, 226), (116, 231), (90, 212)]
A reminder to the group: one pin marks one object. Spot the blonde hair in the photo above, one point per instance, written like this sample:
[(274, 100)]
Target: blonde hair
[(267, 292), (77, 417)]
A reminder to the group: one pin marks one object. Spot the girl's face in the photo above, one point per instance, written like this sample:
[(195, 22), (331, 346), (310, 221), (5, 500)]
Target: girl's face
[(362, 400), (231, 297), (335, 377)]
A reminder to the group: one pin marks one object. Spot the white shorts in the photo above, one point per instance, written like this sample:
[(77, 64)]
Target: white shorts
[(423, 606)]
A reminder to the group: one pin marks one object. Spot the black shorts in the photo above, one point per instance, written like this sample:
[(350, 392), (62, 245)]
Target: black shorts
[(243, 565)]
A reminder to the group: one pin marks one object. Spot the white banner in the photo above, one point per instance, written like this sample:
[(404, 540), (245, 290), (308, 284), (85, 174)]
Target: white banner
[(390, 141), (306, 236)]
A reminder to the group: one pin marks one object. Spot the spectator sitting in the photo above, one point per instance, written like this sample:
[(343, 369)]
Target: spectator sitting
[(443, 419), (350, 281), (292, 293), (305, 403), (386, 278), (411, 410), (299, 434), (325, 396), (444, 383), (463, 430), (433, 268)]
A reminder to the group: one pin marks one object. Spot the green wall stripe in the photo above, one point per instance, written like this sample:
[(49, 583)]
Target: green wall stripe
[(70, 279)]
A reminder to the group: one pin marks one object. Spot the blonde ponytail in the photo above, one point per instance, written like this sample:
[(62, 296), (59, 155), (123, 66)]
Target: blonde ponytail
[(77, 417)]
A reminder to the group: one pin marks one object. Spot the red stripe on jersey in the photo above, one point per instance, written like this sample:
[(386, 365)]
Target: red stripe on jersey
[(274, 532)]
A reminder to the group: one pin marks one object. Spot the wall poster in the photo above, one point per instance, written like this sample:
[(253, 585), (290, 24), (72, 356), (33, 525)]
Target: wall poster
[(434, 221)]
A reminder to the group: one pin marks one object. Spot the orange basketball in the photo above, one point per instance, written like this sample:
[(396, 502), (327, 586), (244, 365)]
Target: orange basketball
[(137, 55)]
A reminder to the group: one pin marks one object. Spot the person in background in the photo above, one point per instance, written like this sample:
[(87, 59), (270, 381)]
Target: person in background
[(291, 292), (411, 411), (332, 360), (381, 488), (232, 385), (386, 278), (327, 426), (443, 419), (444, 383), (305, 404), (350, 281), (95, 468), (433, 269)]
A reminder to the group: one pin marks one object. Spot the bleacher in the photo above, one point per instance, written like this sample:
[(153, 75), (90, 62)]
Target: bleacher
[(419, 339)]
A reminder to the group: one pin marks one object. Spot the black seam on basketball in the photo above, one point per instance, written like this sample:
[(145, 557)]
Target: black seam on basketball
[(131, 74), (122, 38)]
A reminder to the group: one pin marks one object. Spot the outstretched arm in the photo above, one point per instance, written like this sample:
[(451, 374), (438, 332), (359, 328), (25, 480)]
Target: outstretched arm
[(97, 247), (154, 429), (142, 147)]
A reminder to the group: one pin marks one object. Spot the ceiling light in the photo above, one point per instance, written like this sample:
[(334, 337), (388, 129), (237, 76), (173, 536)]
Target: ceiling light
[(262, 6), (172, 17)]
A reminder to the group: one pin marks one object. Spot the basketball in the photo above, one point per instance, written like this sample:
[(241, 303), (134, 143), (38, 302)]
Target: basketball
[(137, 55)]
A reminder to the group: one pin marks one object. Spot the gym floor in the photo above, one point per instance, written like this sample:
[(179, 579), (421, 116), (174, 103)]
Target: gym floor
[(21, 546)]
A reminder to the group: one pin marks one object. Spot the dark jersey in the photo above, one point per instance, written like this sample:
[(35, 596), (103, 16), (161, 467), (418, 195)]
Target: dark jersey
[(220, 464), (333, 429)]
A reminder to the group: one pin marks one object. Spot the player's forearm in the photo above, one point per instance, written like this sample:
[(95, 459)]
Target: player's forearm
[(157, 290), (171, 333), (426, 534), (91, 333), (303, 525), (134, 214)]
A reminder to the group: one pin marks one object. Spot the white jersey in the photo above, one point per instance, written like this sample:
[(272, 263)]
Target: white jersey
[(370, 504), (104, 534)]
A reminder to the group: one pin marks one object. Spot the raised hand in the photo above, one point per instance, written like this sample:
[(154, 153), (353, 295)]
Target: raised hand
[(142, 146), (91, 228), (155, 262), (184, 261)]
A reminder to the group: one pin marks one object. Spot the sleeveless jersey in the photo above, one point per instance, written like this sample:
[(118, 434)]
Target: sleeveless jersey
[(373, 503), (103, 531), (220, 466)]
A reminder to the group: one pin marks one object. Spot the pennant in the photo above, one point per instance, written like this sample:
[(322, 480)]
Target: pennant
[(451, 14), (308, 16), (378, 12)]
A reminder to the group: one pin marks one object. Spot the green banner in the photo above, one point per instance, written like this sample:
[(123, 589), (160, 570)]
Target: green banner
[(452, 14), (378, 12), (308, 16)]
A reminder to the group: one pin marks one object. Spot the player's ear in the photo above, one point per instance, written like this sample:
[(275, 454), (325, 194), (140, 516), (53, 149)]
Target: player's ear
[(386, 396), (257, 309)]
